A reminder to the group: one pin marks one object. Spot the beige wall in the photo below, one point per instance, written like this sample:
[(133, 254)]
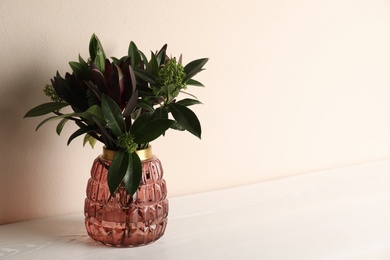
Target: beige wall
[(291, 87)]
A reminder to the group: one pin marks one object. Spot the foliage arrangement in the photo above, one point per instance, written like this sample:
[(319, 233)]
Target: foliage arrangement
[(124, 103)]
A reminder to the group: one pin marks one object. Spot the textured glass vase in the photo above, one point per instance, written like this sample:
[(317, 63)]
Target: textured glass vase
[(123, 220)]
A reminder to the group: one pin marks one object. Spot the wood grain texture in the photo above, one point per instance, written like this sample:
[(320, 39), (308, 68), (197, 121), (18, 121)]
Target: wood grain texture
[(342, 213)]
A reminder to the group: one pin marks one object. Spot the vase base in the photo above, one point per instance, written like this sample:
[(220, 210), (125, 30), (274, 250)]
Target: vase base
[(123, 246), (131, 236)]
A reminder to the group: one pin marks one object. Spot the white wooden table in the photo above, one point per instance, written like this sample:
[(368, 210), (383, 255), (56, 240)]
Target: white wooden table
[(342, 213)]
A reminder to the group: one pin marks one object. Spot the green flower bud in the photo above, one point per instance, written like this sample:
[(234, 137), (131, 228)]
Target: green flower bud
[(126, 142), (51, 93), (170, 79)]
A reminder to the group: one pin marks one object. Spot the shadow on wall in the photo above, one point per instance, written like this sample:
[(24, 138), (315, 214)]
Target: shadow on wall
[(20, 180)]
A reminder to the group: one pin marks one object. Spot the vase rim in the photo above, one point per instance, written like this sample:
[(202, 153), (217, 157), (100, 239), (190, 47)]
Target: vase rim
[(143, 154)]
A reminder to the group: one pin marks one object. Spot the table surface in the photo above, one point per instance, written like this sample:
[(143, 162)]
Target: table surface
[(341, 213)]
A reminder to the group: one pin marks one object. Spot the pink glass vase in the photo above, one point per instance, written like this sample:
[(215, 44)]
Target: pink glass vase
[(123, 220)]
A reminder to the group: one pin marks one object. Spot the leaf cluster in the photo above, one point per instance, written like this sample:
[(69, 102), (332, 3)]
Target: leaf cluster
[(124, 103)]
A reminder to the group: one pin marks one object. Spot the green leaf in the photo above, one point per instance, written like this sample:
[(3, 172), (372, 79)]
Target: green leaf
[(160, 113), (193, 68), (188, 102), (115, 60), (52, 118), (117, 170), (181, 91), (186, 118), (92, 141), (108, 140), (178, 127), (45, 121), (96, 111), (161, 55), (89, 139), (193, 82), (81, 70), (82, 61), (141, 120), (96, 52), (86, 137), (169, 91), (93, 42), (134, 55), (151, 130), (144, 59), (45, 108), (144, 75), (81, 131), (100, 60), (144, 104), (133, 174), (113, 116), (195, 65), (60, 125)]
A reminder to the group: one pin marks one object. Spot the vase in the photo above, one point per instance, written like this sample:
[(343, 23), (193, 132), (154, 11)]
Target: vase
[(125, 220)]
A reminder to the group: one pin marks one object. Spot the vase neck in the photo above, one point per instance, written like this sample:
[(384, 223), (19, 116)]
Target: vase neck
[(143, 154)]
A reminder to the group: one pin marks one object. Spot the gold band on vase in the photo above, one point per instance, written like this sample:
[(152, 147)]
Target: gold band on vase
[(143, 154)]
